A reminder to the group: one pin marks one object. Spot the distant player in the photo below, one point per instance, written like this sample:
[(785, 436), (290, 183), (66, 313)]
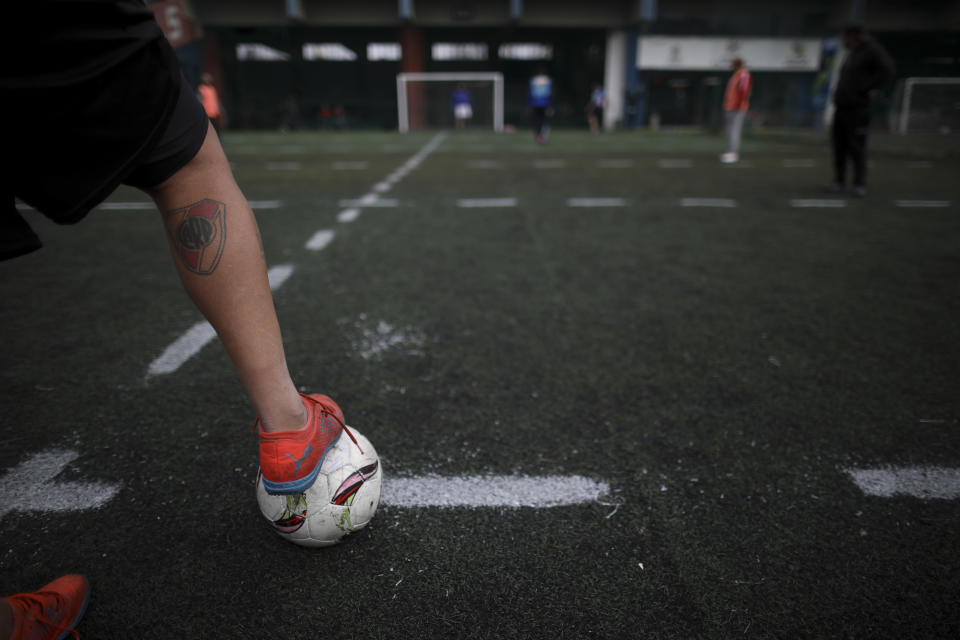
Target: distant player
[(540, 100), (736, 101), (865, 70), (94, 98), (211, 101), (462, 106), (595, 106)]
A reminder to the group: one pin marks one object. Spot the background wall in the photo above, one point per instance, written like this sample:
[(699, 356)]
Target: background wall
[(922, 36)]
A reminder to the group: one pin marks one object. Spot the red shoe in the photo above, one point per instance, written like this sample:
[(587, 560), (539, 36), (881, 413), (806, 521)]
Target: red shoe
[(290, 460), (51, 612)]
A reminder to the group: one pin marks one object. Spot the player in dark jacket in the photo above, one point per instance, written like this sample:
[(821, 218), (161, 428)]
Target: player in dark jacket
[(866, 69)]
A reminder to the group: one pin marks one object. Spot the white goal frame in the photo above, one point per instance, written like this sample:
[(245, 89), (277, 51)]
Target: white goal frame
[(908, 86), (403, 115)]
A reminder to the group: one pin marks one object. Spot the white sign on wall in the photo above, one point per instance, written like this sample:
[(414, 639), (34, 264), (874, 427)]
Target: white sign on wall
[(710, 54)]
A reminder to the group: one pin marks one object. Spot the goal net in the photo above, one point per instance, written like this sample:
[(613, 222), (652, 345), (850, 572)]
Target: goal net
[(927, 105), (427, 100)]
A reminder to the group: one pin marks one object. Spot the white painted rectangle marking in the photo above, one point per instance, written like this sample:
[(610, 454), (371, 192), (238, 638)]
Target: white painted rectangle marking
[(923, 204), (926, 483), (483, 164), (365, 202), (491, 491), (722, 203), (284, 166), (182, 349), (678, 163), (596, 202), (828, 204), (480, 203), (319, 240), (799, 163), (265, 204), (127, 206), (278, 274), (350, 165), (30, 486), (348, 215), (549, 164), (614, 163)]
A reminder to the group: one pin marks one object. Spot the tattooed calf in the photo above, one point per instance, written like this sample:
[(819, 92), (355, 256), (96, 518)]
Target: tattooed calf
[(198, 234)]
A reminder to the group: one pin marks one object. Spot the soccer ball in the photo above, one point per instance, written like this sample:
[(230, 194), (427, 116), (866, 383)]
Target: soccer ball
[(343, 499)]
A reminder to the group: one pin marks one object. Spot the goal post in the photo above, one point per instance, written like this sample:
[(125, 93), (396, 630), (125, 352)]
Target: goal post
[(411, 96), (929, 104)]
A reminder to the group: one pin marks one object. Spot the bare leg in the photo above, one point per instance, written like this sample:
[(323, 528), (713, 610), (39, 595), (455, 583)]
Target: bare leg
[(217, 249)]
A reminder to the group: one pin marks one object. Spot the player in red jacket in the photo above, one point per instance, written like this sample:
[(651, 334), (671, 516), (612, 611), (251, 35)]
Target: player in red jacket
[(736, 101)]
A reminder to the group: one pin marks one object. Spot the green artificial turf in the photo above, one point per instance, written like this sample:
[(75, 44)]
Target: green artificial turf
[(718, 367)]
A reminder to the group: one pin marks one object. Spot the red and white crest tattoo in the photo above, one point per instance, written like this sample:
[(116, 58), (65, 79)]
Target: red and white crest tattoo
[(199, 234)]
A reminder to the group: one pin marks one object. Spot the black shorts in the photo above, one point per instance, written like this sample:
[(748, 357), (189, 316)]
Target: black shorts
[(179, 143), (70, 147)]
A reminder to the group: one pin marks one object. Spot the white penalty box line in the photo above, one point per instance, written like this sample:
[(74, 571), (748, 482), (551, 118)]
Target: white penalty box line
[(926, 483)]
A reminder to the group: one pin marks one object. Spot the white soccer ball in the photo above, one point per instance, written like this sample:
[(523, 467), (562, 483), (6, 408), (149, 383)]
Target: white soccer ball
[(343, 499)]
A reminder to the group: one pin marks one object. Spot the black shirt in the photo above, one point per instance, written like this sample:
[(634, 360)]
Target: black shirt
[(865, 69), (60, 42)]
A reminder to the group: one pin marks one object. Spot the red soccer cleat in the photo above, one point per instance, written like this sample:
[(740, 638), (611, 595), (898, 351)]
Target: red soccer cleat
[(51, 612), (290, 460)]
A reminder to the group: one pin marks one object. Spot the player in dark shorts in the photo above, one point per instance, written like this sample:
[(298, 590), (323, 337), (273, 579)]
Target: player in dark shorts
[(93, 98)]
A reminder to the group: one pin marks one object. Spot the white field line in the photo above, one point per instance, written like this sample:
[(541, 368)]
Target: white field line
[(549, 164), (491, 491), (182, 349), (828, 204), (926, 483), (278, 274), (481, 203), (596, 202), (799, 163), (30, 486), (350, 165), (197, 336), (320, 240), (265, 204), (484, 164), (742, 164), (923, 204), (373, 199), (721, 203), (284, 166), (348, 215), (680, 163), (369, 202), (141, 206), (126, 206), (614, 163)]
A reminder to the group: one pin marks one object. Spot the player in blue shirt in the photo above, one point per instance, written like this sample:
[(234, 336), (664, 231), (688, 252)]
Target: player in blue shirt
[(462, 107), (541, 97)]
